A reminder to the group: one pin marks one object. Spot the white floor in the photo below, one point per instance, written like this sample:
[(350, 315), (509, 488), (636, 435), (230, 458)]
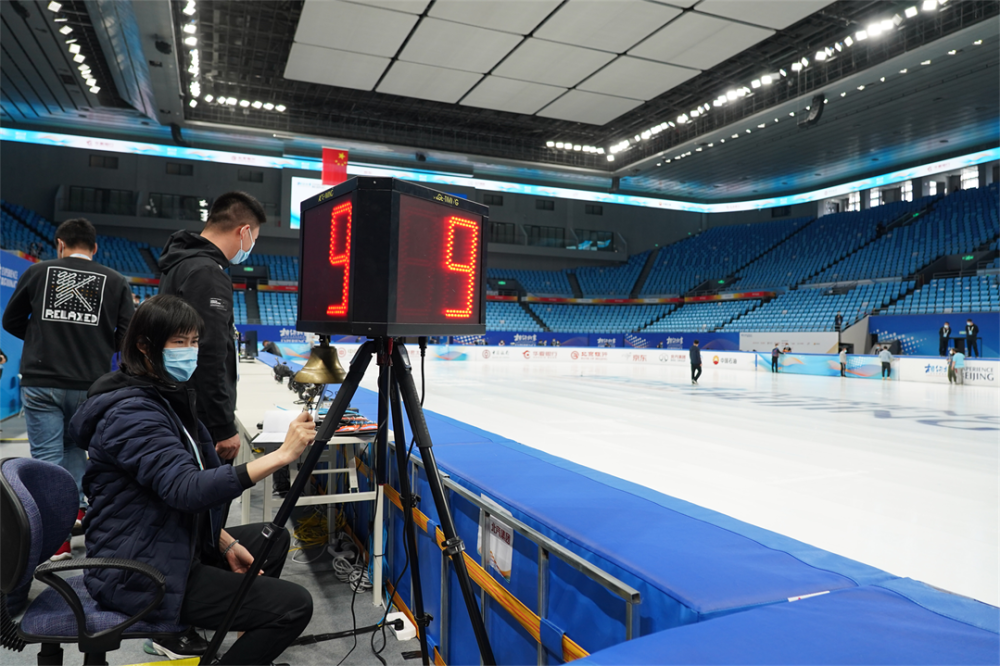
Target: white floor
[(901, 476)]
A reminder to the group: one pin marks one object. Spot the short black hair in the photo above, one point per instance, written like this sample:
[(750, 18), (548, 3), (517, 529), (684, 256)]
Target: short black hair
[(232, 209), (77, 232), (695, 342), (153, 323)]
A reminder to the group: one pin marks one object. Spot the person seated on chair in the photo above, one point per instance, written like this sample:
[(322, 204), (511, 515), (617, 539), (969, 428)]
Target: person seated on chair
[(157, 487), (271, 348)]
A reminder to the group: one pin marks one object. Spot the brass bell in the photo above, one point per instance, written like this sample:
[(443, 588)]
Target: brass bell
[(323, 366)]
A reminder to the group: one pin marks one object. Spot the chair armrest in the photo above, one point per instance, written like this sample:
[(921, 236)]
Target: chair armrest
[(109, 639)]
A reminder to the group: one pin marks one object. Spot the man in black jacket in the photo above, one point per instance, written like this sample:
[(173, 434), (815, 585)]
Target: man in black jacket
[(943, 334), (695, 354), (971, 339), (193, 268), (72, 314)]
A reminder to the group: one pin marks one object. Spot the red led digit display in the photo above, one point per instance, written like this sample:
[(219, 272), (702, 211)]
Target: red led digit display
[(468, 231), (340, 254), (326, 251), (439, 276)]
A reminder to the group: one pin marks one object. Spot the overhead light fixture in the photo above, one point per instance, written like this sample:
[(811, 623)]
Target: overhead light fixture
[(190, 28), (548, 144), (600, 151), (838, 46), (805, 62), (611, 158), (929, 5), (796, 67), (782, 72), (65, 30), (231, 101), (861, 35), (766, 79), (244, 103), (755, 84), (671, 123), (577, 146), (748, 131), (791, 113), (59, 20), (257, 105), (848, 41), (268, 106), (75, 48), (697, 150), (54, 6), (280, 108), (882, 80), (731, 95), (926, 62), (911, 12), (978, 42), (897, 20), (91, 82), (208, 98), (190, 8), (903, 71), (735, 136), (95, 89), (874, 29), (193, 103), (191, 41), (952, 52), (78, 58), (682, 118), (861, 87), (887, 25), (820, 56), (195, 89), (843, 94), (761, 126)]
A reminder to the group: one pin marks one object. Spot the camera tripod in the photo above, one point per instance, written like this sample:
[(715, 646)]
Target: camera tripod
[(395, 381)]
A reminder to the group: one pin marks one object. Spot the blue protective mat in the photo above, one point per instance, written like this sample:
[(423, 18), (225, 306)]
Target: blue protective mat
[(868, 625)]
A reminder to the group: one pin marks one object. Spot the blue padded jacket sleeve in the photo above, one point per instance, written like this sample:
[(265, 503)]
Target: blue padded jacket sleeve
[(140, 436)]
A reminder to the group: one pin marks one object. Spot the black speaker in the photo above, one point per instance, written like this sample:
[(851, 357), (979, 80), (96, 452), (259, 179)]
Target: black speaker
[(250, 344), (815, 111)]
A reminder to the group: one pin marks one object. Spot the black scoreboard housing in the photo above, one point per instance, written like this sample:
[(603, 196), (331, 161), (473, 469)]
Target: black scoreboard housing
[(374, 259)]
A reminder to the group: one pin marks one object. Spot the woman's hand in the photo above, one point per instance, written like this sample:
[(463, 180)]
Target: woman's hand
[(301, 433)]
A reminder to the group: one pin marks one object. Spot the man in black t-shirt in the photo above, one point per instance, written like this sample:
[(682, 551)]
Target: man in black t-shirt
[(72, 314)]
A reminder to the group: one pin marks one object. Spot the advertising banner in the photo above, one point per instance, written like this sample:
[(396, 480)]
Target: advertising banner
[(935, 370), (825, 365), (803, 343), (918, 334), (720, 341), (11, 268)]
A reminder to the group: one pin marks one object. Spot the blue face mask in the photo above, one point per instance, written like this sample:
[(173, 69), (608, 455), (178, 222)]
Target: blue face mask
[(242, 255), (180, 362)]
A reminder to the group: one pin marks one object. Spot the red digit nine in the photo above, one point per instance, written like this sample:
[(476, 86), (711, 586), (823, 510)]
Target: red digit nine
[(340, 220), (469, 248)]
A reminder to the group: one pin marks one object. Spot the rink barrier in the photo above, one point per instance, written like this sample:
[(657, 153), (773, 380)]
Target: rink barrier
[(527, 618)]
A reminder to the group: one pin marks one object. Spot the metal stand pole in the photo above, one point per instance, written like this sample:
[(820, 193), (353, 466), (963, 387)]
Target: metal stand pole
[(409, 531), (271, 530), (453, 545)]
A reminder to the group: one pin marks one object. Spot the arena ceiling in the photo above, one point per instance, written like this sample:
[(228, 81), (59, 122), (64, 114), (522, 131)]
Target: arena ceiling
[(530, 90)]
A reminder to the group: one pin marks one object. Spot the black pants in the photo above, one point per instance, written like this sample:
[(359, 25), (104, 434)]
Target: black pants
[(843, 367), (273, 614), (972, 347), (943, 347), (886, 369), (774, 364), (695, 372)]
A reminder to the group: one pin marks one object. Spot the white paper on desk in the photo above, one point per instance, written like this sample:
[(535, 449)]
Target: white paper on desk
[(276, 422)]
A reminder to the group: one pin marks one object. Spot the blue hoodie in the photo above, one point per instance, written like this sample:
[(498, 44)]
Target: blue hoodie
[(149, 499)]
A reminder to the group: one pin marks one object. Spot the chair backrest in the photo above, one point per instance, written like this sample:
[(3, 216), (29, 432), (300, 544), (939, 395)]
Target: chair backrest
[(38, 504)]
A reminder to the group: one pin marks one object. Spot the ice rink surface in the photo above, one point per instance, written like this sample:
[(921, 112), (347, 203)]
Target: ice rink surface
[(900, 476)]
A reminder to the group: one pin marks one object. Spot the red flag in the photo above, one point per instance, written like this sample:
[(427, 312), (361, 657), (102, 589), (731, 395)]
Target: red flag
[(334, 166)]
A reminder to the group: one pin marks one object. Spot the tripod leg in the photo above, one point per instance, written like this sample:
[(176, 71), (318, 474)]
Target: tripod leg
[(409, 531), (453, 545), (329, 427)]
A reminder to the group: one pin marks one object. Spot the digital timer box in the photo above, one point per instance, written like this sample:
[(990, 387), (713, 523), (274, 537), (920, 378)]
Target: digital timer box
[(384, 257)]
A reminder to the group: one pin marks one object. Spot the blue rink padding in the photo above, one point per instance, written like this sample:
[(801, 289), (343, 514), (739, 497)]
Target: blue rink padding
[(690, 564), (897, 622)]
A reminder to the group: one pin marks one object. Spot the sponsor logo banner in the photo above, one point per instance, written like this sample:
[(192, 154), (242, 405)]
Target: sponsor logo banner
[(803, 343), (825, 365)]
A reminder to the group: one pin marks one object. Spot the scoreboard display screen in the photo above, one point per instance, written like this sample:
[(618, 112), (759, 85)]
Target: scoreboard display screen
[(381, 256)]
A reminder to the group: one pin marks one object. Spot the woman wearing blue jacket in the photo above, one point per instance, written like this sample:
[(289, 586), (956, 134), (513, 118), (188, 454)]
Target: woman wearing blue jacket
[(157, 487)]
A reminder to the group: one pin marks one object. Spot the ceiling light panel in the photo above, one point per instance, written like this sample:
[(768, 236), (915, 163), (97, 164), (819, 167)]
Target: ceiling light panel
[(315, 64), (777, 14), (424, 82), (446, 44), (609, 26), (502, 94), (586, 107), (353, 27), (636, 78), (516, 16), (700, 41), (408, 6), (565, 65)]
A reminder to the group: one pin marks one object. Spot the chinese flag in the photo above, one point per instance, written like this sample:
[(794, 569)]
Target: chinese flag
[(334, 166)]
